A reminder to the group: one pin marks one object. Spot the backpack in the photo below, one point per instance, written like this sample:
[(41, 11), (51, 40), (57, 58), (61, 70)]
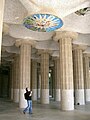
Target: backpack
[(25, 96)]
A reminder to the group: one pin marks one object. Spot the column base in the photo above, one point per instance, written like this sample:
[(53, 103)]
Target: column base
[(57, 95), (67, 100), (79, 97), (38, 95), (34, 95), (16, 95), (22, 102), (87, 95), (11, 93), (45, 96)]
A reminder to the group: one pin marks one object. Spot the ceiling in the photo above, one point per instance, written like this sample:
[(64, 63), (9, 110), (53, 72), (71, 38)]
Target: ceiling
[(16, 10)]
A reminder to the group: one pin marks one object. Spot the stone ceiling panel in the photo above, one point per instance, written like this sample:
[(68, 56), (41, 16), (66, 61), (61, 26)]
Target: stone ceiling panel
[(19, 31), (6, 54), (14, 12), (49, 45), (60, 8), (83, 39), (8, 40), (77, 23), (12, 49)]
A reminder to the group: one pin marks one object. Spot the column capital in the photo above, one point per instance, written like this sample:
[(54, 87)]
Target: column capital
[(55, 58), (86, 55), (79, 47), (65, 35), (44, 51), (20, 42)]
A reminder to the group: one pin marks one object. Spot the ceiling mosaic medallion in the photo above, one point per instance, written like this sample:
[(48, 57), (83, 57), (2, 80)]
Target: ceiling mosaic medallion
[(42, 22)]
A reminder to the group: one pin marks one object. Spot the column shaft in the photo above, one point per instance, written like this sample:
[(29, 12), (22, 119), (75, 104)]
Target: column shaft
[(25, 71), (86, 77), (38, 83), (78, 76), (53, 81), (1, 22), (34, 80), (66, 74), (45, 78), (16, 80), (12, 80), (57, 80)]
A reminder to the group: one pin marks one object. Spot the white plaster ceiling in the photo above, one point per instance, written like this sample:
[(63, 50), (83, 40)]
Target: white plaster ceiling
[(49, 45), (8, 59), (75, 23), (16, 10), (6, 54), (8, 40), (83, 39), (55, 54), (60, 8), (87, 50), (12, 49), (19, 31)]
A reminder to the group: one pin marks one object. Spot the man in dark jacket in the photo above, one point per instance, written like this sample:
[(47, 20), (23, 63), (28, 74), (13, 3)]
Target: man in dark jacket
[(28, 97)]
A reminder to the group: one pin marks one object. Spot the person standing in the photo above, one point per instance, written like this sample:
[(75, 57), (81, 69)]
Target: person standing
[(28, 97)]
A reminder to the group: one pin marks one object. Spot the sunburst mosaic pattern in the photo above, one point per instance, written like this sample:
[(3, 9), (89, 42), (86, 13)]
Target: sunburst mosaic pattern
[(42, 22)]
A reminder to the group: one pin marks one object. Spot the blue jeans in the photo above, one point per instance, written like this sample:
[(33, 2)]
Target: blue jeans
[(29, 106)]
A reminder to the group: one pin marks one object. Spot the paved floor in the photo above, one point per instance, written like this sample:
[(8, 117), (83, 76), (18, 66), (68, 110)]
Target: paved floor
[(10, 111)]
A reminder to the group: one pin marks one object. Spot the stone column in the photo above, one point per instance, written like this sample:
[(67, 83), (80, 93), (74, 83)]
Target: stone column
[(86, 76), (78, 74), (12, 80), (16, 80), (45, 77), (0, 84), (1, 22), (66, 69), (39, 84), (53, 82), (25, 69), (34, 80), (57, 80), (11, 84)]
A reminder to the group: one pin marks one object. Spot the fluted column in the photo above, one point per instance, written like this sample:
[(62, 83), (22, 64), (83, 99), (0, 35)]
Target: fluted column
[(45, 77), (66, 68), (0, 84), (16, 80), (34, 80), (57, 80), (53, 82), (66, 74), (78, 74), (25, 68), (1, 22), (38, 83), (86, 76), (12, 80)]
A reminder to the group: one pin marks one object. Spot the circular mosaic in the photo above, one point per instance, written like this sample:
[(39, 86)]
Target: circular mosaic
[(42, 22)]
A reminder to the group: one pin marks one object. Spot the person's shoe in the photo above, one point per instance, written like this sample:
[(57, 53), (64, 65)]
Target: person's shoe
[(23, 112), (30, 113)]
